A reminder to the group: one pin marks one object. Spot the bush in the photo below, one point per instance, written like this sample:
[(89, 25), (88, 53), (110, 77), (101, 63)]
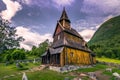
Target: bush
[(18, 55), (8, 57)]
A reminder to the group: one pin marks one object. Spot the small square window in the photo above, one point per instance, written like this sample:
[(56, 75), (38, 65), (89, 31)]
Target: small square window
[(58, 37)]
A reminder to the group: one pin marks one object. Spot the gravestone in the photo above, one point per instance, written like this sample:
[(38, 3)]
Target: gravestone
[(34, 61), (7, 63), (109, 69), (17, 65), (92, 75), (66, 78), (24, 77)]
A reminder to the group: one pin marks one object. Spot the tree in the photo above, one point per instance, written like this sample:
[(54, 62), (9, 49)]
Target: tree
[(98, 51), (38, 51), (109, 53), (8, 37), (18, 54)]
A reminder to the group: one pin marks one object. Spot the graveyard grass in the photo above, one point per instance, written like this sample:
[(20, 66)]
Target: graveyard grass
[(92, 69), (12, 69), (43, 74), (110, 73), (47, 74)]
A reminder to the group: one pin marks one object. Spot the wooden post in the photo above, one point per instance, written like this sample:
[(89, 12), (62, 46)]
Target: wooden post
[(56, 59), (66, 55)]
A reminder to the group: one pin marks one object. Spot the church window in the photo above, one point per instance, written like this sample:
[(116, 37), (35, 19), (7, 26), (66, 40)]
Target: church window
[(58, 37)]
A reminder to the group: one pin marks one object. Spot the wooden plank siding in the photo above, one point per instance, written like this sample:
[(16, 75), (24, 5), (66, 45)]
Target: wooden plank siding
[(73, 38), (71, 56)]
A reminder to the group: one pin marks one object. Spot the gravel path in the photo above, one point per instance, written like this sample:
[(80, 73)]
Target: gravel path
[(101, 76)]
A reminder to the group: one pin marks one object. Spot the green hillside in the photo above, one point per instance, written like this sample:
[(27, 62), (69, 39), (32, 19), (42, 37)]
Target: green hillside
[(106, 40)]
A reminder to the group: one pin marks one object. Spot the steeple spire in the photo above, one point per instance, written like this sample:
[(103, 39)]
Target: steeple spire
[(64, 20)]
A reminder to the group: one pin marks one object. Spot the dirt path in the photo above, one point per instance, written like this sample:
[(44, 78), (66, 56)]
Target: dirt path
[(101, 76)]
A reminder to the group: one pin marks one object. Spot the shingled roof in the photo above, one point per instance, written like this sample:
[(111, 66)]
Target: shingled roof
[(70, 43), (53, 51), (73, 32), (64, 16)]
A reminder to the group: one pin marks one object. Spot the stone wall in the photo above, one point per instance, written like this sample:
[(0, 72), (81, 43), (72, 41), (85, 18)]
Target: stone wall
[(67, 68)]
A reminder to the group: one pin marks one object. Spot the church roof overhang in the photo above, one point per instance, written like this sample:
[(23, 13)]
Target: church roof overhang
[(44, 54), (56, 51), (53, 51)]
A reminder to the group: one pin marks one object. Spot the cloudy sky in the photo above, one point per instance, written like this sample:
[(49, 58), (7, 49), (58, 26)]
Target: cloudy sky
[(36, 20)]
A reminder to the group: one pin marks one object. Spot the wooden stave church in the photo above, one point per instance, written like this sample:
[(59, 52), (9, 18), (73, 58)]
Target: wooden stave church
[(68, 47)]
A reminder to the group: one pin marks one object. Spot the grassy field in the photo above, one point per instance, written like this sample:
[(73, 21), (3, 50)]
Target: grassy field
[(103, 59), (42, 75), (48, 74), (12, 69), (92, 69), (110, 73)]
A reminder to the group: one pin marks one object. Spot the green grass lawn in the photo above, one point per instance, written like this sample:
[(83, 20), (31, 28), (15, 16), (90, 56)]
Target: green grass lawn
[(47, 74), (42, 75), (110, 73), (92, 69), (103, 59), (12, 69)]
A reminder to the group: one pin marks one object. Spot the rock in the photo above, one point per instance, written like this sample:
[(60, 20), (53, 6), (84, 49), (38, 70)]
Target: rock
[(109, 69), (66, 78), (17, 65), (12, 75), (34, 61), (6, 76), (77, 78), (92, 75), (116, 74), (83, 75)]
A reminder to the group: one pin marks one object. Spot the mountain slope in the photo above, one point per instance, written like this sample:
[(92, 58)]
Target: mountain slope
[(106, 40)]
